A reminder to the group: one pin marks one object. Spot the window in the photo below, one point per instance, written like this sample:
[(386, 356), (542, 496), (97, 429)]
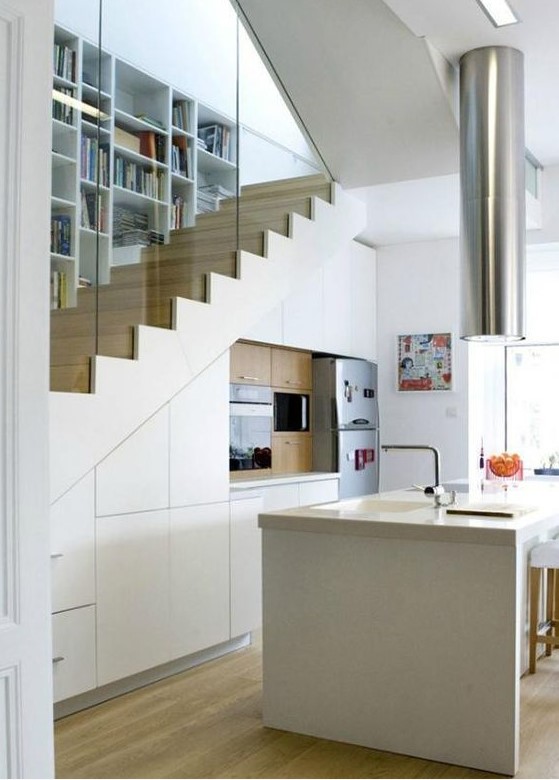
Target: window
[(532, 393)]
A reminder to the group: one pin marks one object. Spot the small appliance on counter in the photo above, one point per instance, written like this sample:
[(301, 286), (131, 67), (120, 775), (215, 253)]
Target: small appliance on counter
[(346, 423), (250, 427)]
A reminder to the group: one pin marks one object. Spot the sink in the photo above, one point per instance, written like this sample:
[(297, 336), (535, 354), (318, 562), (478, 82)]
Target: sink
[(374, 505)]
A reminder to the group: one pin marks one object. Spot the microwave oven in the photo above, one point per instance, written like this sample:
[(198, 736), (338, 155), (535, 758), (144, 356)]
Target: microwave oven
[(291, 412)]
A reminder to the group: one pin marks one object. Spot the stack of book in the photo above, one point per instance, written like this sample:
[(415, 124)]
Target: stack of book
[(144, 181), (93, 215), (208, 197), (130, 228), (94, 154), (58, 290), (178, 213), (180, 115), (181, 157), (62, 109), (60, 234), (64, 62), (216, 138)]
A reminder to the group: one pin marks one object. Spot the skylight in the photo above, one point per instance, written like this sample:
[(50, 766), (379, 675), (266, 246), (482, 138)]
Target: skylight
[(499, 12)]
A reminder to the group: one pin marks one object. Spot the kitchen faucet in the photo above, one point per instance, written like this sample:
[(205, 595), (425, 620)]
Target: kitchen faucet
[(436, 490)]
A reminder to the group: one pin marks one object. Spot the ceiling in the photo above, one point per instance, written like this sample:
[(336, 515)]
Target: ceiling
[(375, 85)]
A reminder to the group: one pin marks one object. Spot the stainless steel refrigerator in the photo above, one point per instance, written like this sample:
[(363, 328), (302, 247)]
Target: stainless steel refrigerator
[(346, 423)]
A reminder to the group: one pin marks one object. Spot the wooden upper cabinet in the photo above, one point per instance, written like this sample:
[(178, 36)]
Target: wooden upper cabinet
[(291, 369), (251, 364)]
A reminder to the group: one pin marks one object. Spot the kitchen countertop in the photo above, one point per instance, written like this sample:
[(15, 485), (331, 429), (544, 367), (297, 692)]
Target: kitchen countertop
[(373, 516)]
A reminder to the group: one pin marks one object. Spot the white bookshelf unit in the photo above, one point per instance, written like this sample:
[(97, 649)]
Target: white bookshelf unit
[(127, 163)]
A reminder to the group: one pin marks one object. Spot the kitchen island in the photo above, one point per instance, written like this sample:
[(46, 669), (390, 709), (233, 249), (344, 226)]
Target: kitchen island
[(396, 625)]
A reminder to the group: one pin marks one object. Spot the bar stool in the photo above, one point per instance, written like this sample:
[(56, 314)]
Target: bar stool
[(544, 556)]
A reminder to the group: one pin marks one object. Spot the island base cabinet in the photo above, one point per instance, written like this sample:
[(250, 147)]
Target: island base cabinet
[(73, 652), (399, 645), (246, 566), (199, 577)]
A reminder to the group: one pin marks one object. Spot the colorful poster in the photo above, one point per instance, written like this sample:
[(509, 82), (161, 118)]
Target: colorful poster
[(425, 362)]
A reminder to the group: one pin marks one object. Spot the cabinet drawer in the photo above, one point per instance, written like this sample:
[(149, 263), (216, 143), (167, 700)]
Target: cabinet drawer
[(73, 652), (72, 547), (318, 492)]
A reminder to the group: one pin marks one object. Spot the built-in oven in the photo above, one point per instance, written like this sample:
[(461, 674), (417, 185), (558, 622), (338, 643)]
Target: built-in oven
[(291, 412), (251, 413)]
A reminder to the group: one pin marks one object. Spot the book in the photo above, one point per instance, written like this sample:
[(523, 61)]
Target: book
[(60, 234), (180, 115), (216, 139), (152, 145), (150, 120), (126, 140)]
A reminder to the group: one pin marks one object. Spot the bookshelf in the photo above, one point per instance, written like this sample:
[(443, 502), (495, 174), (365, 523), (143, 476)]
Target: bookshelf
[(133, 158)]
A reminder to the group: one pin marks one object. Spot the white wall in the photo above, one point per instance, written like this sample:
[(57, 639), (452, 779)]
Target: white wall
[(418, 292)]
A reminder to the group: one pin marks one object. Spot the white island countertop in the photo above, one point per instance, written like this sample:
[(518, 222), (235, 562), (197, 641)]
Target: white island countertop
[(408, 514)]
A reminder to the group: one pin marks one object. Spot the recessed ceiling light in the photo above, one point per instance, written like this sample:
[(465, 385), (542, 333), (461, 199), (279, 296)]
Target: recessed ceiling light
[(499, 12)]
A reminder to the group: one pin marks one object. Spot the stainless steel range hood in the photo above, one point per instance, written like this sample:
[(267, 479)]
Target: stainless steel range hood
[(492, 166)]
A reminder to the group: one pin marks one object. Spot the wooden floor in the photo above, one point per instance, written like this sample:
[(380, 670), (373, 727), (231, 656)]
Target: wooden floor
[(206, 723)]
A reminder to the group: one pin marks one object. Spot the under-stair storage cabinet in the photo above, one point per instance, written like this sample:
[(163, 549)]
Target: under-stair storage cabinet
[(246, 562), (73, 590), (292, 373), (133, 611), (251, 364), (199, 577), (291, 369), (291, 453)]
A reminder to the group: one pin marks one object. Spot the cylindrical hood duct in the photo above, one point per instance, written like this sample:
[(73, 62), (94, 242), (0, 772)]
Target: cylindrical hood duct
[(493, 232)]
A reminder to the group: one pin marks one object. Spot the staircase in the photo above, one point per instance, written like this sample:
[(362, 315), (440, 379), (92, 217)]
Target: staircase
[(142, 294), (179, 309)]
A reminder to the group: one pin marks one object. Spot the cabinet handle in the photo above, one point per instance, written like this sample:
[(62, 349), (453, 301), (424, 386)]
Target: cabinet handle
[(294, 443), (57, 555), (58, 659), (293, 382), (253, 378)]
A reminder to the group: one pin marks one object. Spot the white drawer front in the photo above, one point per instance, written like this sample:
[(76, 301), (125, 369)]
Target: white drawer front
[(72, 547), (318, 492), (73, 652)]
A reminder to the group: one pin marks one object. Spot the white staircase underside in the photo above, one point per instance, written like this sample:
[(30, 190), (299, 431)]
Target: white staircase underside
[(85, 428)]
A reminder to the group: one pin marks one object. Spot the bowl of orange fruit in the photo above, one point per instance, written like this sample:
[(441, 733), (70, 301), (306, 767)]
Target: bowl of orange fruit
[(505, 465)]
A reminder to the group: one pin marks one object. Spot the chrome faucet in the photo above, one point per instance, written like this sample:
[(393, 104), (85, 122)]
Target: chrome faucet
[(436, 490)]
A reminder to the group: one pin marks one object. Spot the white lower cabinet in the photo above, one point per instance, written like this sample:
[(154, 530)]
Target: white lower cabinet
[(294, 494), (133, 616), (199, 577), (73, 652), (280, 497), (73, 547), (246, 565)]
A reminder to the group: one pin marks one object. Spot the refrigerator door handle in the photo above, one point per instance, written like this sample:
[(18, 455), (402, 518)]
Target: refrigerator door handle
[(304, 412), (360, 421)]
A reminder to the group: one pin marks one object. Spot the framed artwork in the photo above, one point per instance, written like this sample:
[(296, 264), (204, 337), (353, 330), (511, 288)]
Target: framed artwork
[(425, 362)]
